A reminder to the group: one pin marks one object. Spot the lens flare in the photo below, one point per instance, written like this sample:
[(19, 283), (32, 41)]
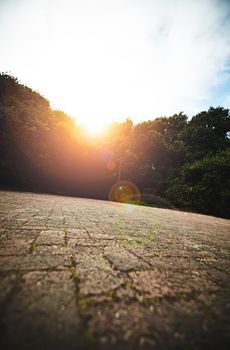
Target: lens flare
[(125, 192)]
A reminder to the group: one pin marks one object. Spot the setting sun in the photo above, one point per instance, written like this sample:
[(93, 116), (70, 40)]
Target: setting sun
[(94, 127)]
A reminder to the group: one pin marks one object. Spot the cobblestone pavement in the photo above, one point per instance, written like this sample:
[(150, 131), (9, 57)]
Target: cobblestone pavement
[(87, 274)]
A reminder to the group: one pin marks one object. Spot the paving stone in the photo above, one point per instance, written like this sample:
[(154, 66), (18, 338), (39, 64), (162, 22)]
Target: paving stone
[(15, 246), (50, 237), (90, 242), (157, 283), (48, 250), (123, 260), (76, 233), (95, 274), (33, 262)]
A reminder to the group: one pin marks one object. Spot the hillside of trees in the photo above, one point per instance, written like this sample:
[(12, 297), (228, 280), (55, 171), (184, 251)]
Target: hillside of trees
[(186, 162)]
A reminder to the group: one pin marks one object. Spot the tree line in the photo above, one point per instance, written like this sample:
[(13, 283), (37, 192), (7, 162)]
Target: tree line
[(186, 162)]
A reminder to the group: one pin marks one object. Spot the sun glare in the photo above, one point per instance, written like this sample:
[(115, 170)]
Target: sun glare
[(94, 128)]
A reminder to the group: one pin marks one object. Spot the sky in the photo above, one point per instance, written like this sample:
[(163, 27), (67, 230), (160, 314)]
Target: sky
[(106, 60)]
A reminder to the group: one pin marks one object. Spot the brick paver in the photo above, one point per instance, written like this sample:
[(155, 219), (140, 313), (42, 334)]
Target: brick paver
[(87, 274)]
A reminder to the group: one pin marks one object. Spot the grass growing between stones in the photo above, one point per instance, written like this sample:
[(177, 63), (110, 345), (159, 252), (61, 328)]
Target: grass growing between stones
[(137, 241)]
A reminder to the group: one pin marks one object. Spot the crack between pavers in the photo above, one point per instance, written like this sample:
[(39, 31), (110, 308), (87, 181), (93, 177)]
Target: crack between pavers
[(65, 229), (90, 245), (81, 226), (132, 253), (21, 226), (59, 245), (66, 239), (138, 257), (48, 269), (102, 294), (125, 272), (14, 216), (114, 268), (33, 244), (83, 321)]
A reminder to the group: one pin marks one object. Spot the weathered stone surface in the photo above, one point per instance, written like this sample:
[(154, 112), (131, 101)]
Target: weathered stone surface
[(123, 260), (87, 274), (90, 242), (33, 262), (95, 274), (50, 237), (15, 246), (182, 324), (76, 233), (159, 283)]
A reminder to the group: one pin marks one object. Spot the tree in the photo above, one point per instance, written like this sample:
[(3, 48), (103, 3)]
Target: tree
[(203, 185), (207, 133)]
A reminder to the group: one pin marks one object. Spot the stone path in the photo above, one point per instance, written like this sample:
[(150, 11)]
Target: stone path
[(88, 274)]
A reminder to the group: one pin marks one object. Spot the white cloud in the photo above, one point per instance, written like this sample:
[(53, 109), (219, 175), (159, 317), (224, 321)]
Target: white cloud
[(113, 59)]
